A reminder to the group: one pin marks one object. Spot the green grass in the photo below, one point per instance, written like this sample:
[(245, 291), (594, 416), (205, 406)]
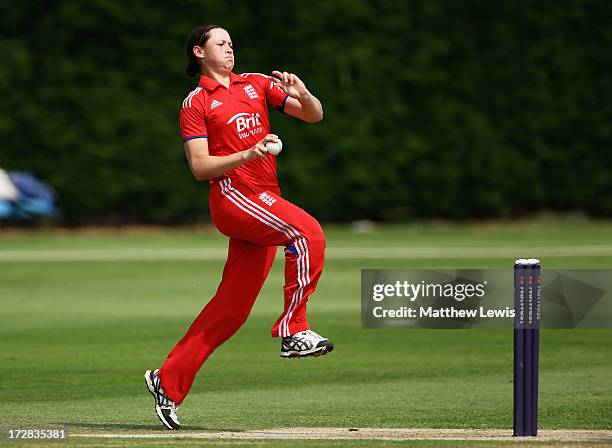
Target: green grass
[(75, 338), (91, 442), (542, 232)]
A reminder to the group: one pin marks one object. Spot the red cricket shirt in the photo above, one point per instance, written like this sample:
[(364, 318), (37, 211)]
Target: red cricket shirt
[(233, 120)]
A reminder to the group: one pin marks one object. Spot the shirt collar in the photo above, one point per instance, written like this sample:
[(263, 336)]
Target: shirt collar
[(211, 84)]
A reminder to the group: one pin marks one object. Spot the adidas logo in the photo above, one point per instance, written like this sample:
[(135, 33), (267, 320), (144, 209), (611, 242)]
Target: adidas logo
[(215, 104)]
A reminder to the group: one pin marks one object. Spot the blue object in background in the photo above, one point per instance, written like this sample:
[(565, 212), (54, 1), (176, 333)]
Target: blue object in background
[(6, 208), (35, 198), (31, 187)]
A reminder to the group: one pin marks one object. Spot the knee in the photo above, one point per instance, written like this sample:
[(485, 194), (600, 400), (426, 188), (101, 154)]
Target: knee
[(315, 235)]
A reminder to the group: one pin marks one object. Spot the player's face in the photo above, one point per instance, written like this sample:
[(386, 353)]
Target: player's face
[(219, 51)]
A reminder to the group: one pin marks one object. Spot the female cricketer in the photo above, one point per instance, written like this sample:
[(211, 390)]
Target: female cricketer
[(225, 129)]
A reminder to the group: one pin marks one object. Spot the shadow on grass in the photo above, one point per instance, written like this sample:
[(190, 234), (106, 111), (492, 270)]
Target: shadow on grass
[(135, 426)]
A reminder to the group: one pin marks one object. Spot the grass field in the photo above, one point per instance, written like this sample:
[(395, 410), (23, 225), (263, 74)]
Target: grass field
[(77, 335)]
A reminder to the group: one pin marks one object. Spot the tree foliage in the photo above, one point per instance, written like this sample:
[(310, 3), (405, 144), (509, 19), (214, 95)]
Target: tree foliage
[(432, 109)]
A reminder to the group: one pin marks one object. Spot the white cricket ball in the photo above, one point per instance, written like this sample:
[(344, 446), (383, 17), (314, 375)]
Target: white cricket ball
[(274, 148)]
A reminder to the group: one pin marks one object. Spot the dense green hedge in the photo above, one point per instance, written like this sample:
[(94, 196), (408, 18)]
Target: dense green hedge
[(432, 109)]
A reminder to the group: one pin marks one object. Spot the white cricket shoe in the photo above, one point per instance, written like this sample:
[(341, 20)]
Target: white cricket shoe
[(164, 407), (305, 343)]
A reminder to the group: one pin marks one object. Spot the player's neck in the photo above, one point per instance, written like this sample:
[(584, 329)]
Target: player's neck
[(221, 78)]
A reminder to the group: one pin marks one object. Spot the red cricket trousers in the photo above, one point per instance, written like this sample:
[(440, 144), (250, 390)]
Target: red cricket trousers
[(256, 223)]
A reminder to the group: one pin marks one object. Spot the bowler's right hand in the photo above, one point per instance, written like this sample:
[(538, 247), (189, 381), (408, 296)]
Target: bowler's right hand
[(259, 150)]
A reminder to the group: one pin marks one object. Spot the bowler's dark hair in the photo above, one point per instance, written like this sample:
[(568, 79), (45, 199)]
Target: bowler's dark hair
[(198, 36)]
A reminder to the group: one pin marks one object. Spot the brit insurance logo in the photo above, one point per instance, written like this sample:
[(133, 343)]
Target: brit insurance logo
[(246, 124)]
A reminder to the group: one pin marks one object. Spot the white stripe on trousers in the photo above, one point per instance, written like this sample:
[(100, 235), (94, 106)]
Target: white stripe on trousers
[(271, 220), (303, 260), (288, 231), (281, 226)]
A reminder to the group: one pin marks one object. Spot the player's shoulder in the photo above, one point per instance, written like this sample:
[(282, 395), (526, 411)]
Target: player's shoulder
[(260, 78), (254, 75), (195, 98)]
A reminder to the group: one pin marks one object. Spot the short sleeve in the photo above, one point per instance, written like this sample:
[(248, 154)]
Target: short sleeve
[(276, 97), (193, 120)]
